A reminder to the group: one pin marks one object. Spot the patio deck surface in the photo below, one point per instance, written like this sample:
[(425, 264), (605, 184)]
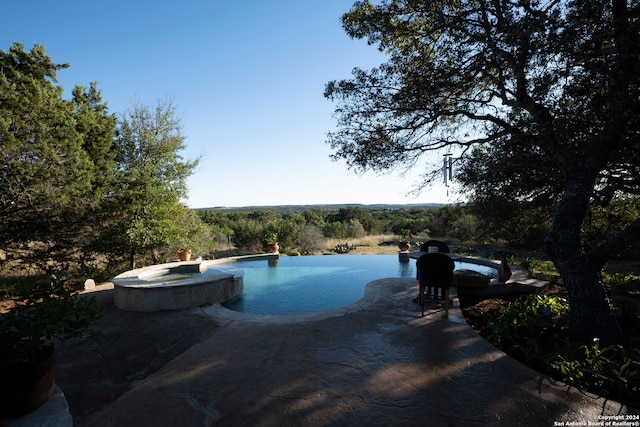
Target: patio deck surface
[(375, 362)]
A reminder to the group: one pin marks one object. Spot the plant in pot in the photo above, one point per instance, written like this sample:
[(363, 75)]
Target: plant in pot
[(186, 246), (270, 242), (405, 239), (46, 313), (184, 254)]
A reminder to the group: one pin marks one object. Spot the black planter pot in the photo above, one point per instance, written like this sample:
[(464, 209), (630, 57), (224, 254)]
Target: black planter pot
[(26, 386)]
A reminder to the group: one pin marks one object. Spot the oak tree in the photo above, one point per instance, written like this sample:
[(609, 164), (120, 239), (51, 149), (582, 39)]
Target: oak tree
[(537, 98), (150, 180)]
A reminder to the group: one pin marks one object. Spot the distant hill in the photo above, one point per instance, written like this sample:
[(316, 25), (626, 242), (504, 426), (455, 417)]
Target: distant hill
[(328, 207)]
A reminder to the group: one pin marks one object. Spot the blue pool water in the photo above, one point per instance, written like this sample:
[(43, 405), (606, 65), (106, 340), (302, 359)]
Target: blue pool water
[(308, 284)]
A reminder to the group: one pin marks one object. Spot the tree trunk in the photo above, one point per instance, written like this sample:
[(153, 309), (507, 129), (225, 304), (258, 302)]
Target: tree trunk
[(590, 313), (132, 258)]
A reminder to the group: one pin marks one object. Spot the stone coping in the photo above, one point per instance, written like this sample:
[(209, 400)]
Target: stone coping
[(139, 277)]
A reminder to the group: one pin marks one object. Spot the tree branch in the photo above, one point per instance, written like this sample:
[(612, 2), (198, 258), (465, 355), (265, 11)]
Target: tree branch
[(614, 244)]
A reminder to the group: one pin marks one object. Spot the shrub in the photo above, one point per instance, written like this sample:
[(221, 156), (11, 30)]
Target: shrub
[(42, 314), (527, 326), (343, 248), (531, 329), (311, 239), (612, 370)]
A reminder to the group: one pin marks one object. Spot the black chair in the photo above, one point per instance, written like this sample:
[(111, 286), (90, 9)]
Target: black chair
[(435, 270), (442, 247)]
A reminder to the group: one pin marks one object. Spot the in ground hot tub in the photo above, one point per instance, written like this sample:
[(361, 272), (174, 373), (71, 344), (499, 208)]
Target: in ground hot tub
[(176, 286)]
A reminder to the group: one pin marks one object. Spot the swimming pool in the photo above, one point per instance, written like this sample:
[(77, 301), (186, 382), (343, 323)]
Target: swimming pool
[(309, 284)]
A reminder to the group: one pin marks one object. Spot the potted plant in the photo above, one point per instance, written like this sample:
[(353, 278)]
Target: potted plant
[(184, 254), (270, 242), (405, 237), (47, 313)]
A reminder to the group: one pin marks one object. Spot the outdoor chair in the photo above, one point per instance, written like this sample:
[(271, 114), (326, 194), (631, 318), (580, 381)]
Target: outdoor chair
[(435, 270), (442, 248)]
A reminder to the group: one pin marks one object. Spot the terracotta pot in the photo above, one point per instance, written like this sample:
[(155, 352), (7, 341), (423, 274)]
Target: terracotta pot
[(273, 248), (27, 385), (184, 255)]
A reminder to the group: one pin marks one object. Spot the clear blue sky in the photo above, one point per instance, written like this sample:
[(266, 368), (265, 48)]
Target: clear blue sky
[(247, 78)]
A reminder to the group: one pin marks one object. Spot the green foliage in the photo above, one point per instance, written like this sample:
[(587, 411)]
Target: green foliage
[(530, 264), (151, 179), (466, 227), (515, 116), (343, 248), (70, 182), (190, 232), (44, 313), (314, 217), (366, 223), (405, 234), (415, 220), (341, 223), (39, 141), (519, 223), (338, 230), (287, 231), (611, 370), (606, 219), (531, 329), (245, 227), (247, 235), (519, 327), (543, 270), (56, 155), (619, 279), (269, 237)]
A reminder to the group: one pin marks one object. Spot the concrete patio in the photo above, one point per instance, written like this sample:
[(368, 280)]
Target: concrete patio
[(375, 362)]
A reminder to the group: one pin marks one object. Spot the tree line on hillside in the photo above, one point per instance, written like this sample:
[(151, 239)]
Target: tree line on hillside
[(305, 231)]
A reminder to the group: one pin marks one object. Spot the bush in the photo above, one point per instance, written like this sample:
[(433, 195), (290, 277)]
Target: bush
[(343, 248), (248, 236), (531, 329), (311, 240), (612, 370), (42, 314), (527, 327)]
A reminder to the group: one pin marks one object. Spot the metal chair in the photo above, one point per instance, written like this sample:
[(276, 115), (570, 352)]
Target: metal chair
[(435, 270)]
